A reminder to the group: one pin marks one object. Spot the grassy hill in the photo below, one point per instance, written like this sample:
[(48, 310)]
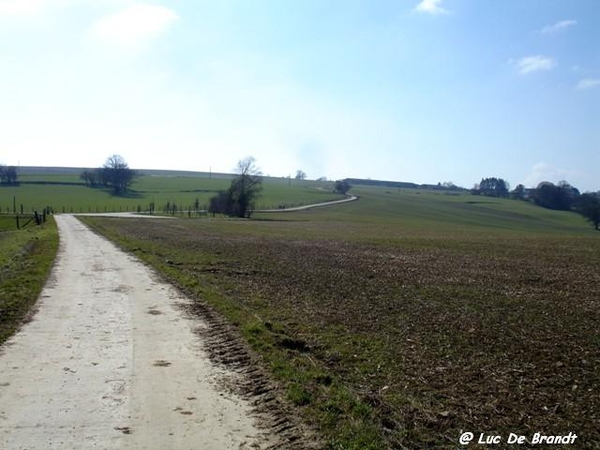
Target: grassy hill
[(383, 214), (62, 190)]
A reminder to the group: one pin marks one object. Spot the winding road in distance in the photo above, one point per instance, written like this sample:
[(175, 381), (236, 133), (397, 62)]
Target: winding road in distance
[(349, 198)]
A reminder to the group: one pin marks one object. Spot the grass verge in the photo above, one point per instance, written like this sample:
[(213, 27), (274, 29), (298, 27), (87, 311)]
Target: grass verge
[(26, 257)]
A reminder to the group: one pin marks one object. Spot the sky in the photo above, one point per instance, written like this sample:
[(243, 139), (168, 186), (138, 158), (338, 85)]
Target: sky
[(407, 90)]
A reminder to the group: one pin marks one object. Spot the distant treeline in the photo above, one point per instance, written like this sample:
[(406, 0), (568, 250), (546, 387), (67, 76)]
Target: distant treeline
[(37, 170), (447, 186), (8, 174), (561, 196)]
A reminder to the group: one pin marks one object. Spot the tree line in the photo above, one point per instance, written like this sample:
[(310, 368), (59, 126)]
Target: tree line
[(561, 196)]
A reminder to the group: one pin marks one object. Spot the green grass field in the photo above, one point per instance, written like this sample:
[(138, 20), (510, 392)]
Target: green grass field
[(64, 193), (407, 317), (26, 257)]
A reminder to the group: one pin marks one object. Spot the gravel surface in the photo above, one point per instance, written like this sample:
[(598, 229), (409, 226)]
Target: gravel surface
[(111, 360)]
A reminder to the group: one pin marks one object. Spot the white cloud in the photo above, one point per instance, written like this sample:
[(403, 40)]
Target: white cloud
[(558, 26), (431, 7), (134, 24), (545, 172), (535, 63), (588, 83)]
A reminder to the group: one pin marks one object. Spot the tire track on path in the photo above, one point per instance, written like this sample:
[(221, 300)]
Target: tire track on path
[(111, 360)]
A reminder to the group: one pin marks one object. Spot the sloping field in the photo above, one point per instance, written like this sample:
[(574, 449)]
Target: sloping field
[(65, 193), (406, 318)]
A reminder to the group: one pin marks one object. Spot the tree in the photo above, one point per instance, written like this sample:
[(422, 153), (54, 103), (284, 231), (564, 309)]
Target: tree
[(449, 186), (240, 198), (493, 187), (551, 196), (117, 174), (571, 192), (245, 188), (588, 205), (89, 177), (221, 203), (8, 174), (519, 193), (300, 175), (341, 186)]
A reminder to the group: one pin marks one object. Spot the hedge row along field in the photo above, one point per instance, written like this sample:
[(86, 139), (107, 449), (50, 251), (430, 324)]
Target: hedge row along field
[(404, 319)]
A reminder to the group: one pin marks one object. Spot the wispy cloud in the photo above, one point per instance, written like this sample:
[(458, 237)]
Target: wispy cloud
[(431, 7), (535, 63), (558, 26), (134, 24), (588, 83), (542, 171)]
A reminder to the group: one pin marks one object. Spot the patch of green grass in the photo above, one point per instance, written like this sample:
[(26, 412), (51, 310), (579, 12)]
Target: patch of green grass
[(406, 317), (7, 222), (298, 395), (183, 191), (26, 257)]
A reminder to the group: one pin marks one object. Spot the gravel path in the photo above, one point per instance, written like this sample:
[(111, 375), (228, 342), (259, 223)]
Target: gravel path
[(111, 361), (349, 198)]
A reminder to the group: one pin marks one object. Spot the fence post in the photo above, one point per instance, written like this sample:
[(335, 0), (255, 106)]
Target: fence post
[(18, 226)]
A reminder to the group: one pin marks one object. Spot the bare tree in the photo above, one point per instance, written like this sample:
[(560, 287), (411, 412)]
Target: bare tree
[(246, 187), (89, 177), (117, 174), (239, 199), (300, 175)]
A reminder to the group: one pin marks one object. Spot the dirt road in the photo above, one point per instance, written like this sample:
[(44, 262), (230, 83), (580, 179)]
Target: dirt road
[(111, 361), (349, 198)]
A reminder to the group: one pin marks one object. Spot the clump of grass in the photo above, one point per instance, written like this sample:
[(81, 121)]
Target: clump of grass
[(298, 395), (26, 257)]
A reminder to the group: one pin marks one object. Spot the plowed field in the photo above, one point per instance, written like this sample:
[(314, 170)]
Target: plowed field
[(384, 337)]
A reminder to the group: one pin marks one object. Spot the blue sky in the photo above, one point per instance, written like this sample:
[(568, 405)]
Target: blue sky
[(423, 91)]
